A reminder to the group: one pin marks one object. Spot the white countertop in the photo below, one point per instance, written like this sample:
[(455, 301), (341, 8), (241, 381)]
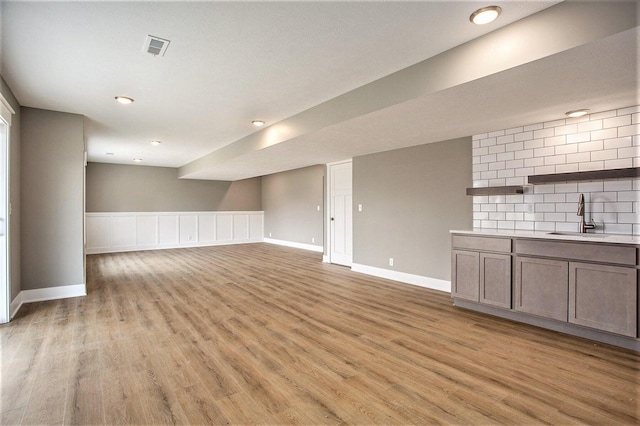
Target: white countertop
[(548, 235)]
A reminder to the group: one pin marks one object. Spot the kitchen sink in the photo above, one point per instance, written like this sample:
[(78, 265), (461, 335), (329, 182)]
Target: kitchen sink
[(578, 234)]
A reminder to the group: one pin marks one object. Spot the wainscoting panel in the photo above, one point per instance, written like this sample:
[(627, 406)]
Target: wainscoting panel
[(115, 232), (224, 227)]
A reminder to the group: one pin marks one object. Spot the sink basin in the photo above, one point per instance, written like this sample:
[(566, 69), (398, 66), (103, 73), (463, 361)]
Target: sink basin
[(578, 234)]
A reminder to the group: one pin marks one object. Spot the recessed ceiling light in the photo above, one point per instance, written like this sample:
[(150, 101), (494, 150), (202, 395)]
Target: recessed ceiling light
[(258, 123), (137, 160), (485, 15), (125, 100), (577, 113), (155, 142)]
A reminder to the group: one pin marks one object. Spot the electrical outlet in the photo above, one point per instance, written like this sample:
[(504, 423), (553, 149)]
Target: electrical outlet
[(391, 261), (359, 207), (313, 240), (530, 208), (269, 233), (190, 237), (318, 208)]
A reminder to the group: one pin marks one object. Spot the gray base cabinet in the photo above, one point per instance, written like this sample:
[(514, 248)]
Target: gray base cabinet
[(495, 279), (542, 288), (603, 297), (589, 289), (465, 274)]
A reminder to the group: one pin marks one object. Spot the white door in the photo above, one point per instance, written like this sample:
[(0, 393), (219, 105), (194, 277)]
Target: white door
[(340, 220)]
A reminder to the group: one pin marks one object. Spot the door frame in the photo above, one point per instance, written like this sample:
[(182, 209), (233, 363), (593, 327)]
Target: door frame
[(327, 256), (6, 112)]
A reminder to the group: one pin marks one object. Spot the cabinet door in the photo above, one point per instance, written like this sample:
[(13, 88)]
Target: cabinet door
[(495, 279), (542, 287), (603, 297), (465, 274)]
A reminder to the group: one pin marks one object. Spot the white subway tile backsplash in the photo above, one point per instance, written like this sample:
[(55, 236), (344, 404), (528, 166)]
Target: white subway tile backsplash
[(605, 134), (579, 137), (608, 154), (603, 140), (556, 159), (618, 185), (514, 164), (524, 226), (554, 140), (554, 123), (515, 181), (554, 198), (536, 126), (524, 171), (604, 114), (590, 186), (618, 207), (593, 165), (545, 226), (631, 152), (620, 163), (505, 156), (567, 168), (535, 143), (544, 152), (543, 133), (567, 149), (505, 139), (506, 173), (618, 142), (545, 170), (565, 130), (619, 121), (596, 145), (554, 217), (566, 187), (588, 126), (487, 142), (498, 165)]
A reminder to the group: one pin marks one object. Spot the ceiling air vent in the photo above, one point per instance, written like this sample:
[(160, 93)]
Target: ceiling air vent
[(155, 45)]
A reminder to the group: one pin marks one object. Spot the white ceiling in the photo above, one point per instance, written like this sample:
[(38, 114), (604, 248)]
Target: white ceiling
[(230, 63)]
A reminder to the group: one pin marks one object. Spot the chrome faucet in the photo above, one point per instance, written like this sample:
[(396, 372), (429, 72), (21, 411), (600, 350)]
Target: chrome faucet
[(583, 225)]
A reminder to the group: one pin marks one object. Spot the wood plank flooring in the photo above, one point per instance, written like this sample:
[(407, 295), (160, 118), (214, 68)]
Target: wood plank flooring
[(262, 334)]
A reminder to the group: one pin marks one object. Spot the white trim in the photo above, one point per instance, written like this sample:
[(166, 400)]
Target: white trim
[(15, 305), (6, 111), (303, 246), (48, 293), (325, 258), (419, 280)]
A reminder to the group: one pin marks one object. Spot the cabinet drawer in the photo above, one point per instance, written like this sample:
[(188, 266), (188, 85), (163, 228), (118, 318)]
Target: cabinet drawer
[(500, 245), (623, 255)]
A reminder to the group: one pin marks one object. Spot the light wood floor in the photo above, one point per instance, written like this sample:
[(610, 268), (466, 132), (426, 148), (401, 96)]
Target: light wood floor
[(265, 334)]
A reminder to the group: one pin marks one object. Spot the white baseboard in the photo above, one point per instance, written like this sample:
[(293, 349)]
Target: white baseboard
[(303, 246), (403, 277), (15, 305), (48, 293), (325, 258)]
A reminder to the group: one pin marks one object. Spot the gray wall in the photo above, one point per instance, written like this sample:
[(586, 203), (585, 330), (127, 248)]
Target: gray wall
[(290, 202), (124, 188), (52, 199), (411, 198), (14, 190)]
